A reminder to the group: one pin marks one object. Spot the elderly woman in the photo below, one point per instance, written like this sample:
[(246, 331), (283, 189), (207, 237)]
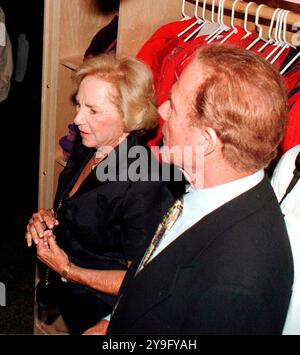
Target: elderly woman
[(105, 208)]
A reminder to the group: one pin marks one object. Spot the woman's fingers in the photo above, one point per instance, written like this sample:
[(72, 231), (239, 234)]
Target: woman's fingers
[(32, 234), (28, 239), (40, 222)]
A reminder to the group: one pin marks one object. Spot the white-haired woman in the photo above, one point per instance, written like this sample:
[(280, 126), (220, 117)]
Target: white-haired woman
[(104, 210)]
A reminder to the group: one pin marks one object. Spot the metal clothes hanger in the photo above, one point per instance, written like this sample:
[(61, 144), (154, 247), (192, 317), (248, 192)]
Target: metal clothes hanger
[(203, 19), (222, 26), (198, 20), (184, 15), (260, 37), (286, 45), (290, 63), (212, 20), (277, 35), (271, 39), (218, 21), (234, 29), (248, 33)]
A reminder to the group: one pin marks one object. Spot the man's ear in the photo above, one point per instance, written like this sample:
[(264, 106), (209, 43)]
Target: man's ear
[(211, 140)]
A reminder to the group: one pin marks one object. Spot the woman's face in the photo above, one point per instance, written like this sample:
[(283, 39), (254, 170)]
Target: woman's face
[(98, 119)]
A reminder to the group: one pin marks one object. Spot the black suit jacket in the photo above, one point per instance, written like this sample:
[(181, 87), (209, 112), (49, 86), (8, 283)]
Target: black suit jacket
[(231, 273), (103, 225)]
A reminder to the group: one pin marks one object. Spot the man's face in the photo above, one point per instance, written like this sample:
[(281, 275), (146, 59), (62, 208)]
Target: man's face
[(179, 135)]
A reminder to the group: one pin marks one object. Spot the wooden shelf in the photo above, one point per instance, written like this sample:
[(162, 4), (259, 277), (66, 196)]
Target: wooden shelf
[(61, 159), (72, 62)]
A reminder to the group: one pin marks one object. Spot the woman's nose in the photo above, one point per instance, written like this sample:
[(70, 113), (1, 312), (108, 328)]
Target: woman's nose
[(79, 117)]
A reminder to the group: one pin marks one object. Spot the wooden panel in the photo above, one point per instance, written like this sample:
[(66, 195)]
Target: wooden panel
[(72, 62), (65, 104), (64, 115), (80, 21), (49, 101), (58, 168), (139, 19)]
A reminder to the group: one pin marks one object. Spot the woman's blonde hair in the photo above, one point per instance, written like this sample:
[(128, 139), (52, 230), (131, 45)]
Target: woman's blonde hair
[(133, 83)]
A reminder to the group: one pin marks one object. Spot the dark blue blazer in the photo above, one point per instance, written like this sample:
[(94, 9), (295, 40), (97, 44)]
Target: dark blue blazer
[(104, 224), (231, 273)]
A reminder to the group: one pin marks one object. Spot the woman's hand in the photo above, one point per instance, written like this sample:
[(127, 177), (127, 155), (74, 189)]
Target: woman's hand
[(51, 254), (99, 329), (38, 224)]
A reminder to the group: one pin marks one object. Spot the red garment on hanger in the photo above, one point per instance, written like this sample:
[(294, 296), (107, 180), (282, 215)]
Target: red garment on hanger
[(163, 40), (155, 50), (167, 55), (248, 40), (180, 57), (174, 63), (292, 134)]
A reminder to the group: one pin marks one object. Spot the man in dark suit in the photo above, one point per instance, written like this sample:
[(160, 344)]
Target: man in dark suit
[(225, 265)]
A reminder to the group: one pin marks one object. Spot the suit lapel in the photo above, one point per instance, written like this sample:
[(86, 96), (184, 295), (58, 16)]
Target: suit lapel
[(158, 279)]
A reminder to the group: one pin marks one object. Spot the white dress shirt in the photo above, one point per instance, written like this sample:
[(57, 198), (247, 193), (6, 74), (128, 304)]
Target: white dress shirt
[(199, 203), (291, 209)]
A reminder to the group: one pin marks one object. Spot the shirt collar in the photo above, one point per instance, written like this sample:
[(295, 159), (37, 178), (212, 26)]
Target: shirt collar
[(204, 201)]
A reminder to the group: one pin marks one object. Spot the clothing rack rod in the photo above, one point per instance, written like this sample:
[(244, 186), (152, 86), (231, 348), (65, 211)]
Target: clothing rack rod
[(266, 12)]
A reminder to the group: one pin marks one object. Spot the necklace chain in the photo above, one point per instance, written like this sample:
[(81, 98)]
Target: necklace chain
[(97, 160)]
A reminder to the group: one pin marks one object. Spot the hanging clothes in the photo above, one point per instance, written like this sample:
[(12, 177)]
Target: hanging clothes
[(154, 51), (292, 134), (22, 58), (167, 55), (104, 41), (6, 59)]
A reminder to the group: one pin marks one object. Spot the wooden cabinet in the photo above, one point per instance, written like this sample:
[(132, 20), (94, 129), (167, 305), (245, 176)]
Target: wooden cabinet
[(69, 26), (68, 29)]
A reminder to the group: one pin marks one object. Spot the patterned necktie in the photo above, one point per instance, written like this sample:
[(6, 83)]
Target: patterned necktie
[(168, 220), (166, 224)]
